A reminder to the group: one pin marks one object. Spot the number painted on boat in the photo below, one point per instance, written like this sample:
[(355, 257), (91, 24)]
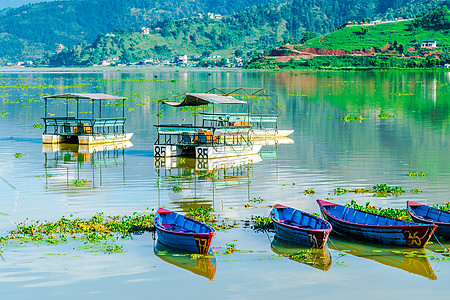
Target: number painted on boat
[(160, 151), (202, 153), (202, 245), (411, 238)]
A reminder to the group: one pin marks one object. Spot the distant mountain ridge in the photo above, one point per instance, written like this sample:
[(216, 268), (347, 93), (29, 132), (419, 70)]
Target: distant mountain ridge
[(31, 30)]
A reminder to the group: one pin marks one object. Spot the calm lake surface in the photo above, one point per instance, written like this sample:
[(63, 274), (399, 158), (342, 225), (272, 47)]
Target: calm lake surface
[(405, 127)]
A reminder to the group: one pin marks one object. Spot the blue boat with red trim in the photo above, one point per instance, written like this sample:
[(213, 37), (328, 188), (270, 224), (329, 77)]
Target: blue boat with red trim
[(375, 228), (181, 232), (421, 213), (299, 227)]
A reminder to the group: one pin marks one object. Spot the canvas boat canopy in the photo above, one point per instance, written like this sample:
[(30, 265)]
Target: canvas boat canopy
[(197, 99), (90, 96)]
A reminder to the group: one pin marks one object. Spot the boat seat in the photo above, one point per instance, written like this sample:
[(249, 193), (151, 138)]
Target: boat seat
[(185, 138)]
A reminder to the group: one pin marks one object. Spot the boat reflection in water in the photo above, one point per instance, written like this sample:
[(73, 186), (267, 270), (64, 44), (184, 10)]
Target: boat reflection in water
[(221, 172), (199, 264), (319, 259), (68, 165), (411, 260)]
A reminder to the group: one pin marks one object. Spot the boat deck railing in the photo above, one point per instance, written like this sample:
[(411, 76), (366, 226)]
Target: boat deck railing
[(69, 126), (229, 119), (189, 135)]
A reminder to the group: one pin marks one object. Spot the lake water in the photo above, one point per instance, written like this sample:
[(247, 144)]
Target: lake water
[(327, 151)]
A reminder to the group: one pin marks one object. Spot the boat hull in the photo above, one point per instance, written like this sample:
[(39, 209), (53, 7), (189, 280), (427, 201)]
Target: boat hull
[(206, 151), (86, 139), (424, 214), (269, 133), (189, 235), (400, 233), (300, 227)]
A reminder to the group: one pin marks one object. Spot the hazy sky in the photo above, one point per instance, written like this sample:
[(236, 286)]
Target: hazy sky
[(16, 3)]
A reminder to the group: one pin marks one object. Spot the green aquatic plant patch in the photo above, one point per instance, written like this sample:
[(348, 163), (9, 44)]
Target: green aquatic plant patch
[(258, 200), (379, 190), (231, 248), (309, 191), (396, 213), (352, 118), (260, 223), (417, 174), (386, 115), (445, 207), (95, 230), (204, 214)]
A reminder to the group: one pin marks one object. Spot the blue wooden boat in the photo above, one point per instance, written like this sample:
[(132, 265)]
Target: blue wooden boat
[(375, 228), (181, 232), (299, 227), (425, 214)]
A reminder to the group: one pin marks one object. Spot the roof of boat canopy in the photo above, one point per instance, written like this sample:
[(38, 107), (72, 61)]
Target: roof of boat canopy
[(197, 99), (90, 96)]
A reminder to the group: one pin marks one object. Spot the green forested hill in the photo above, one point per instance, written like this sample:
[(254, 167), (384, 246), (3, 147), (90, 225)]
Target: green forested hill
[(29, 31), (389, 44)]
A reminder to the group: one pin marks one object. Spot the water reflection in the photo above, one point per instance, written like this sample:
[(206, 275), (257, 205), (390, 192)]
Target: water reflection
[(73, 165), (411, 260), (320, 258), (201, 265), (189, 178)]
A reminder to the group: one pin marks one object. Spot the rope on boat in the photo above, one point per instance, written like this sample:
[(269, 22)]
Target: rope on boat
[(445, 250), (341, 254)]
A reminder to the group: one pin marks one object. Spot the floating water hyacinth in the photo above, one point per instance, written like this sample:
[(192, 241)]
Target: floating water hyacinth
[(416, 174), (97, 230), (379, 190), (395, 213), (231, 248)]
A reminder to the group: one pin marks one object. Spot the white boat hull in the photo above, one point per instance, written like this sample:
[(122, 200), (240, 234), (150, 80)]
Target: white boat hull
[(269, 133), (87, 139), (207, 151)]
